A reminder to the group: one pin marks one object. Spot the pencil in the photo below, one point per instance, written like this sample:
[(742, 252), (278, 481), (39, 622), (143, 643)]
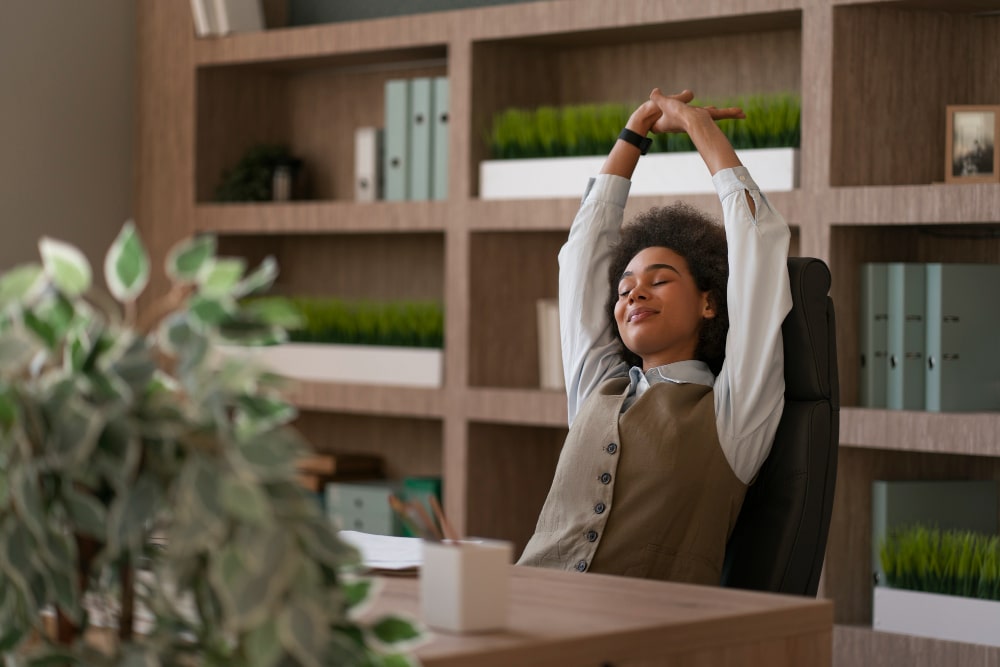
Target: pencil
[(446, 527)]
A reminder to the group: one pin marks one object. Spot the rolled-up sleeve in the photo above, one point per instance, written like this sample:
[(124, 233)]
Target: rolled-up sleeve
[(749, 391)]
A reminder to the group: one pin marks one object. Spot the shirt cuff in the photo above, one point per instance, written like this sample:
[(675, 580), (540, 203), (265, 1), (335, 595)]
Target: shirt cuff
[(608, 188), (733, 179)]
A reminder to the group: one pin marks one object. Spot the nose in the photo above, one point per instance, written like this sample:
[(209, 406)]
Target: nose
[(636, 294)]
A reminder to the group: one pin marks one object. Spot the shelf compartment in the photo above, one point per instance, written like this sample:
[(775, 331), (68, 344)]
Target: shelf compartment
[(889, 94), (508, 272), (349, 266), (410, 447), (847, 571), (853, 245), (311, 105), (509, 471), (321, 217), (595, 66)]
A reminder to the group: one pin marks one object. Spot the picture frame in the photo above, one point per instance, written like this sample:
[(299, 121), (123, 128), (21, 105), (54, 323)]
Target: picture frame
[(971, 135)]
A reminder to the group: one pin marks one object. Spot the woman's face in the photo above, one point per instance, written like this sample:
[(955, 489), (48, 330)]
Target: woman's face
[(660, 309)]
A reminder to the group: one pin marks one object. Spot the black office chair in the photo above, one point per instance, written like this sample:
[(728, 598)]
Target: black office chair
[(779, 539)]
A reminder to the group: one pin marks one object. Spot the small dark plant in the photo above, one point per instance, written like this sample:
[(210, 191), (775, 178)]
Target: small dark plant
[(252, 177)]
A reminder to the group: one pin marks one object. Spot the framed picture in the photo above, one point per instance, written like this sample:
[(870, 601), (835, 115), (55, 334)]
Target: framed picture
[(970, 156)]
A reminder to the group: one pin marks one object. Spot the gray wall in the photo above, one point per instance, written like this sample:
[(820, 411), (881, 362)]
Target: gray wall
[(67, 124)]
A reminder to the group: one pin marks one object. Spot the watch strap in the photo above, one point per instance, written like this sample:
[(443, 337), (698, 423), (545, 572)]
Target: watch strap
[(636, 139)]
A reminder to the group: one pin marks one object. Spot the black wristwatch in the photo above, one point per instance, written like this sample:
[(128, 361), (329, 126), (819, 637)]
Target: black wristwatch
[(636, 139)]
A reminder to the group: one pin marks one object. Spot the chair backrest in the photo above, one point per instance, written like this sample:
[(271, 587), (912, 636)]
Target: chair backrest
[(779, 539)]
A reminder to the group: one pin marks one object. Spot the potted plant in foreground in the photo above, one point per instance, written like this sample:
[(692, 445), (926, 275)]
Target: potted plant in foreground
[(143, 472)]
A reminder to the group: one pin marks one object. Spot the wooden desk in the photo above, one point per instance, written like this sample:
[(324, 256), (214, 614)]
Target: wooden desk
[(568, 619)]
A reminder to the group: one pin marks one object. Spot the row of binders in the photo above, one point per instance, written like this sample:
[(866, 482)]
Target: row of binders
[(928, 336), (407, 159)]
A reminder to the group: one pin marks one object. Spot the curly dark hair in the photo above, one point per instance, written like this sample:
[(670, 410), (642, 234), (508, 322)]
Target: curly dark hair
[(701, 241)]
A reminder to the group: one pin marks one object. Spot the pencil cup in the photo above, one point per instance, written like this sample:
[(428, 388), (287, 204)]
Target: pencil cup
[(464, 586)]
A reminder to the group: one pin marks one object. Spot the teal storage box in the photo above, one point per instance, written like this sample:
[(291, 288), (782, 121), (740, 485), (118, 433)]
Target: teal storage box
[(362, 506)]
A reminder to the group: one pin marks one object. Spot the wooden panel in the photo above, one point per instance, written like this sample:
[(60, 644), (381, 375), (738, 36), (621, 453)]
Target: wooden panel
[(533, 408), (325, 217), (361, 266), (896, 71), (904, 430), (510, 470), (914, 204), (847, 568), (164, 163), (853, 646), (508, 272), (409, 447)]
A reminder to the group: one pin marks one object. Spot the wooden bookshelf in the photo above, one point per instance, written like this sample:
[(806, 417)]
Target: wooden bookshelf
[(874, 80)]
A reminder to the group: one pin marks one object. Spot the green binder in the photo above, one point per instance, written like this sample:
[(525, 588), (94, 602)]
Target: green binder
[(420, 138), (946, 505), (439, 139), (906, 331), (963, 320), (397, 139), (420, 489), (874, 335)]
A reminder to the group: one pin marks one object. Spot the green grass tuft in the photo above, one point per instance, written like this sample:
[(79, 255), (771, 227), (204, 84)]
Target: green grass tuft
[(773, 121), (952, 562)]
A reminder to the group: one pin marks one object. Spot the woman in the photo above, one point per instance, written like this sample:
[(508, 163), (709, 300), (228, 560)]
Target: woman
[(673, 361)]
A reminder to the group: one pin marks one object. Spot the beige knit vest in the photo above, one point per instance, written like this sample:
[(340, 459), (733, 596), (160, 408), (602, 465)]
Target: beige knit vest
[(645, 494)]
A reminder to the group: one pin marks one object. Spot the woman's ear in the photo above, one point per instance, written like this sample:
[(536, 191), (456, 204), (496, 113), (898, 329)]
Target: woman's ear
[(707, 306)]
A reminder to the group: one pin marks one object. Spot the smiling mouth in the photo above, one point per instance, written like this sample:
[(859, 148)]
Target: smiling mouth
[(641, 314)]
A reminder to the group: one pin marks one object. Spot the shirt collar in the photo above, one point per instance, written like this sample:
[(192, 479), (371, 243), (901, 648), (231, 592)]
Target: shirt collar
[(679, 372)]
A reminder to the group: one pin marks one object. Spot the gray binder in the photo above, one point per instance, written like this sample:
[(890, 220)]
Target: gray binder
[(907, 306), (963, 331), (874, 335)]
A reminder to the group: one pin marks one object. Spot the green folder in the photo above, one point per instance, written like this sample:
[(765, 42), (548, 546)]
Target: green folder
[(439, 139), (874, 335), (906, 335), (397, 139), (420, 489), (420, 138), (963, 320)]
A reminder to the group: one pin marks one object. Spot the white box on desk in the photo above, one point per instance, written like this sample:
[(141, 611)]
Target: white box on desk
[(465, 585)]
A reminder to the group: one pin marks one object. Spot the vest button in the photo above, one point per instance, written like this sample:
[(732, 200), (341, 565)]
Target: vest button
[(591, 535), (599, 508), (581, 566), (606, 478), (612, 448)]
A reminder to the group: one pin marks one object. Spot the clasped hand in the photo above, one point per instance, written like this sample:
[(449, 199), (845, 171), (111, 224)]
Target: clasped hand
[(674, 113)]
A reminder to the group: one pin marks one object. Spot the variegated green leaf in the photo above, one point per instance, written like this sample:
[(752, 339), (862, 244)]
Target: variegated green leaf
[(276, 311), (187, 259), (211, 310), (21, 283), (303, 632), (261, 279), (66, 266), (16, 351), (220, 276), (88, 514), (262, 646), (126, 266), (244, 500)]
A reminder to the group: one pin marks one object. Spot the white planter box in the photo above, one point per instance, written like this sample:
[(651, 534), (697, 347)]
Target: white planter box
[(948, 617), (774, 170), (362, 364)]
